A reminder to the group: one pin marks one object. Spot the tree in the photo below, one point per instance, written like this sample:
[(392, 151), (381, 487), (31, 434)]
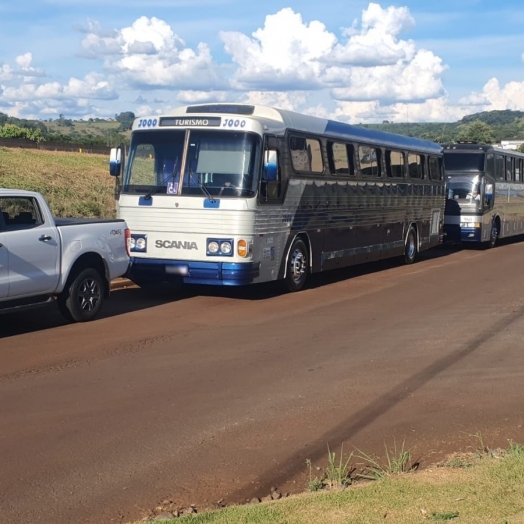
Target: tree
[(12, 131), (521, 148), (126, 120), (477, 131)]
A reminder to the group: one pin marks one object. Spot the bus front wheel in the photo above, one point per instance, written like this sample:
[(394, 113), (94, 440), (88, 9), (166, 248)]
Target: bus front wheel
[(410, 250), (494, 234), (297, 266)]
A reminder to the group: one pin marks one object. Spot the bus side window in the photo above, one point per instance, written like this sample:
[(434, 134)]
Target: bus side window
[(395, 164), (340, 158), (435, 169), (416, 165), (306, 155), (369, 159), (509, 169), (499, 167)]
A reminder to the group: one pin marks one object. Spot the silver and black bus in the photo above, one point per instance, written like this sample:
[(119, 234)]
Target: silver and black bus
[(238, 194), (484, 193)]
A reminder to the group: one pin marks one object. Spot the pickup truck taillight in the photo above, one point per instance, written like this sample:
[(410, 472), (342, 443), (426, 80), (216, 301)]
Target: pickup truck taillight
[(128, 240)]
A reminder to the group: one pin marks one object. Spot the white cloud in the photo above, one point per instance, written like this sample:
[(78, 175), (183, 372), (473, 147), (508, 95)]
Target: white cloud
[(413, 81), (495, 97), (377, 42), (433, 110), (289, 54), (23, 68), (201, 97), (6, 73), (148, 54), (285, 54), (93, 86), (290, 100)]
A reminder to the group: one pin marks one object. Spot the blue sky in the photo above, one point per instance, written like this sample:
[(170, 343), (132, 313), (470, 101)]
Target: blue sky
[(355, 61)]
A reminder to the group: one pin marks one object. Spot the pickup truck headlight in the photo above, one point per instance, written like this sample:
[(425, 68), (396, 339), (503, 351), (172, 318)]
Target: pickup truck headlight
[(222, 247), (138, 243)]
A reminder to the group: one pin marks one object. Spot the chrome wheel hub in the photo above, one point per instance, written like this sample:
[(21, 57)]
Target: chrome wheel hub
[(89, 295)]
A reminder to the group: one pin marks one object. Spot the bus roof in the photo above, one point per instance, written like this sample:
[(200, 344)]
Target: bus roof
[(473, 146), (276, 121)]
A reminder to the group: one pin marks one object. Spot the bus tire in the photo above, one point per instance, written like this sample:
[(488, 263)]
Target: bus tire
[(297, 266), (493, 235), (83, 297), (410, 249)]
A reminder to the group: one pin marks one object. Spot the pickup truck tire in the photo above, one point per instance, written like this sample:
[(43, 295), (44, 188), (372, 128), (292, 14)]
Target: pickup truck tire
[(83, 297)]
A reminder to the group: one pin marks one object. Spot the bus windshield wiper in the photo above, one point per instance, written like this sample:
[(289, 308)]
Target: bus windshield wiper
[(150, 193), (204, 189)]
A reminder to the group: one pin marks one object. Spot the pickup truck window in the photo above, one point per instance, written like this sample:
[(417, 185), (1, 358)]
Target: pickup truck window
[(19, 213)]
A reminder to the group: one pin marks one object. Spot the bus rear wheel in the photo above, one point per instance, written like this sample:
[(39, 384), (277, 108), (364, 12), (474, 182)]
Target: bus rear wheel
[(297, 266), (410, 249)]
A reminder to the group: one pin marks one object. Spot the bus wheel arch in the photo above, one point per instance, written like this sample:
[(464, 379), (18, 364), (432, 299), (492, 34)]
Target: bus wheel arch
[(298, 263), (411, 246)]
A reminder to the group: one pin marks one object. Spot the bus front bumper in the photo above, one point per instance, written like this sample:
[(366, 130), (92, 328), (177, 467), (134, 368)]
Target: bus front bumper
[(146, 270), (456, 233)]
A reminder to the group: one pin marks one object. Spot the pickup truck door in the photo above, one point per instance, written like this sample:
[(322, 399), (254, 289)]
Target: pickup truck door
[(4, 282), (33, 247)]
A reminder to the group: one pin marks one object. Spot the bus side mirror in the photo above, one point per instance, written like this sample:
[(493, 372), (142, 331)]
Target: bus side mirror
[(115, 161), (270, 173)]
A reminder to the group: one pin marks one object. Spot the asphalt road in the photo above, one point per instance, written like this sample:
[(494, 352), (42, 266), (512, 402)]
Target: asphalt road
[(211, 394)]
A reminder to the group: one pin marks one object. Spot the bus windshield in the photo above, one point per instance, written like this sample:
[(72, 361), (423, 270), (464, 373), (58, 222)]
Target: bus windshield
[(463, 161), (218, 163), (464, 189)]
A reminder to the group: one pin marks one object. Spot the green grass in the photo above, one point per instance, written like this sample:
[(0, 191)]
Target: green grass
[(490, 491), (74, 184)]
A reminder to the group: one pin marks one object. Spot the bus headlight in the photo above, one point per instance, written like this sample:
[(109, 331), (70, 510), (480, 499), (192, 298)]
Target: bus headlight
[(225, 247), (213, 247), (470, 224), (219, 247), (137, 243)]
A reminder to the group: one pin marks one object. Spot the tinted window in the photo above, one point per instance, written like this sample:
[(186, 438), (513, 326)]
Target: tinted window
[(19, 213), (463, 161), (395, 164), (435, 173), (499, 167), (341, 158), (369, 160), (509, 169), (416, 165), (306, 154)]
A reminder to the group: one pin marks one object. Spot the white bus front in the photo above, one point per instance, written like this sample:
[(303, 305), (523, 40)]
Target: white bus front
[(188, 195)]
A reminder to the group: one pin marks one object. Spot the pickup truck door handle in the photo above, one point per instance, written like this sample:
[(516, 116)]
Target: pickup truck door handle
[(45, 238)]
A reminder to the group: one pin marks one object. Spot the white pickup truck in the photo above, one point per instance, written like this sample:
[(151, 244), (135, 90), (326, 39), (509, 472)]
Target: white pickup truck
[(69, 260)]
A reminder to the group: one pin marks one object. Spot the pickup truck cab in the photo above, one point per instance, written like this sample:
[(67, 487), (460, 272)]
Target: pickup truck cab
[(43, 259)]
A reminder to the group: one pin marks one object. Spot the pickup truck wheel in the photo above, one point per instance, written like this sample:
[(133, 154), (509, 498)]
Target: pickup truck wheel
[(82, 300)]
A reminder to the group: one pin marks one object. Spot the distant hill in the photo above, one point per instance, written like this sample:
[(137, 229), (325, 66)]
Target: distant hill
[(494, 118), (506, 125)]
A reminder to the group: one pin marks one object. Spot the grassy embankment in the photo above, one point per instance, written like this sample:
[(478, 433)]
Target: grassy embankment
[(485, 488), (74, 184)]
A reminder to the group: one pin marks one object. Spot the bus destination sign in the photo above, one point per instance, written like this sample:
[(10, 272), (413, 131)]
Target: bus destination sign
[(184, 122)]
